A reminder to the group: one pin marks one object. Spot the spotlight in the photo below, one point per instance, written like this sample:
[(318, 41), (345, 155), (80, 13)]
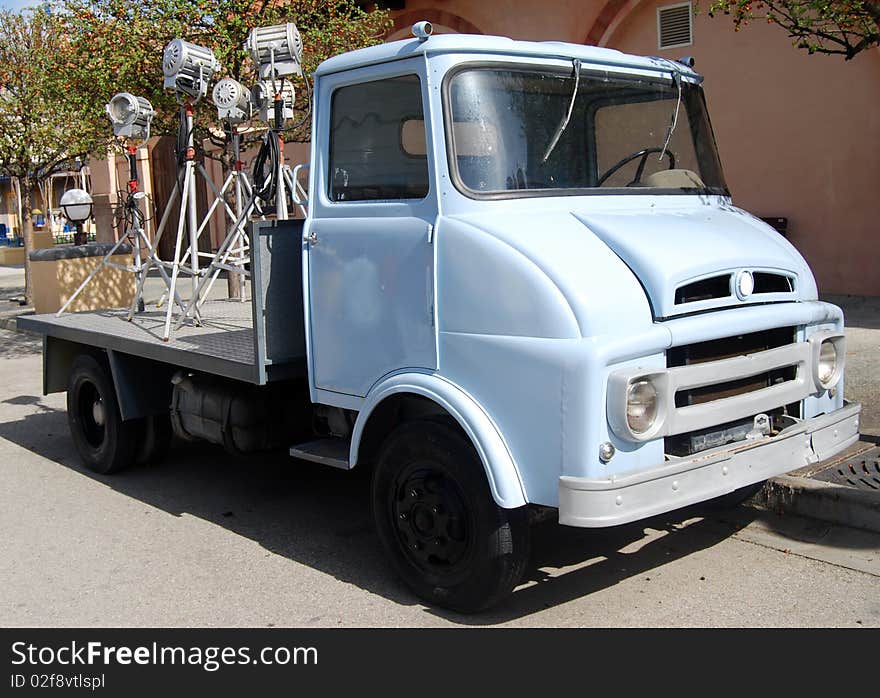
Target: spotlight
[(188, 68), (263, 99), (130, 116), (233, 101), (277, 50)]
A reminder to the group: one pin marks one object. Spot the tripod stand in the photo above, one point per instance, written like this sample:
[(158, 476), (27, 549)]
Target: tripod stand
[(187, 223), (271, 186), (239, 246), (134, 230)]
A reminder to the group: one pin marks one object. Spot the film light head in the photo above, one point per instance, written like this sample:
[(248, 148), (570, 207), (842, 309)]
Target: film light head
[(188, 68), (130, 116), (276, 50), (233, 101)]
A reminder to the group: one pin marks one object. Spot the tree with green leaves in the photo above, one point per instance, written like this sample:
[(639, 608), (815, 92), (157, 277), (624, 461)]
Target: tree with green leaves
[(44, 123), (836, 27)]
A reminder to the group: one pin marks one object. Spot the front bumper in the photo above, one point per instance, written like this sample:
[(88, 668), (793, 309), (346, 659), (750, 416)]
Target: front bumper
[(595, 503)]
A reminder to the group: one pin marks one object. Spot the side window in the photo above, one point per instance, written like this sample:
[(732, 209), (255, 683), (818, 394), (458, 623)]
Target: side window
[(375, 153)]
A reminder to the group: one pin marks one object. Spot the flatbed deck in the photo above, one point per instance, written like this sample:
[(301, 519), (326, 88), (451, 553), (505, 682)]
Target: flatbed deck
[(257, 341), (225, 343)]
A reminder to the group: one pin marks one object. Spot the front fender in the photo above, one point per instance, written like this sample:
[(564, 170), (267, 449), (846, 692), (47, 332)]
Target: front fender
[(501, 471)]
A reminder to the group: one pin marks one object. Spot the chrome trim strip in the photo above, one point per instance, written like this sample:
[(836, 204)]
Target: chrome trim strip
[(678, 420)]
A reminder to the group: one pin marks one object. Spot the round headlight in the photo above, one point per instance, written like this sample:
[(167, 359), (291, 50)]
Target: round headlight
[(827, 363), (641, 406)]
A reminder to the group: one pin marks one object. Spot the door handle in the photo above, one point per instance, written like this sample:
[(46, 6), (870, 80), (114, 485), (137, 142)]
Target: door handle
[(311, 238)]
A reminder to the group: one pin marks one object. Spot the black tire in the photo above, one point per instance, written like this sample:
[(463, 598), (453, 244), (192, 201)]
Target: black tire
[(732, 500), (446, 537), (104, 442), (156, 440)]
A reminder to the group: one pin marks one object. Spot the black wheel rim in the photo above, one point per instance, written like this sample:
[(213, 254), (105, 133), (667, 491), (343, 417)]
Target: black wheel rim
[(92, 414), (431, 519)]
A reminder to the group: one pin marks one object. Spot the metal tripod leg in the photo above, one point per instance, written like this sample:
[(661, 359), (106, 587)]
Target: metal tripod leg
[(239, 245), (218, 199), (220, 257), (152, 261), (181, 226)]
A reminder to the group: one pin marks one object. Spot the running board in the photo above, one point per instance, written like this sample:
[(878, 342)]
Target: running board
[(332, 452)]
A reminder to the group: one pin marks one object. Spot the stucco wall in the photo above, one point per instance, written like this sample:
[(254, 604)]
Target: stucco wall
[(557, 20)]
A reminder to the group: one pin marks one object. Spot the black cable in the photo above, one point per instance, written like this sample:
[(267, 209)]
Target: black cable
[(308, 113), (265, 182)]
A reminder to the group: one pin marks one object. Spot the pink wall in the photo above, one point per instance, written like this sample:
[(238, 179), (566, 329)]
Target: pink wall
[(558, 20)]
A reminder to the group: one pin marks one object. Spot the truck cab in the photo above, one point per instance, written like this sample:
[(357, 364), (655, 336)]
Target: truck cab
[(537, 239)]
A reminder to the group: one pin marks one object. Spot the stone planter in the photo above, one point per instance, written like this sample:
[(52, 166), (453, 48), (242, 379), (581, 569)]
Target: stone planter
[(58, 271)]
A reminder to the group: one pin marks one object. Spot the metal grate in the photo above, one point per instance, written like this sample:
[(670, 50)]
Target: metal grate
[(703, 290), (674, 25), (765, 282), (861, 471)]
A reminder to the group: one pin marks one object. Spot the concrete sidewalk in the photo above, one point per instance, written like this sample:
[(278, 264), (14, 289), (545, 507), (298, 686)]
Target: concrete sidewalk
[(843, 490)]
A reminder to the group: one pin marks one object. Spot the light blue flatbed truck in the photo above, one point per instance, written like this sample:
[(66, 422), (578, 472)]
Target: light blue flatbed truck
[(521, 285)]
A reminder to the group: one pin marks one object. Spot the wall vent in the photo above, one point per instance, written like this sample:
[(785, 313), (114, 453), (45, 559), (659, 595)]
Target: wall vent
[(675, 25)]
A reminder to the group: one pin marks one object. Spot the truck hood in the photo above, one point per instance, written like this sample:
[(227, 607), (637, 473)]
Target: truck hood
[(690, 259), (617, 270)]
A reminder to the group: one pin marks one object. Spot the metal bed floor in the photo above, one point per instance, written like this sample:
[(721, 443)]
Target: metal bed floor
[(223, 344)]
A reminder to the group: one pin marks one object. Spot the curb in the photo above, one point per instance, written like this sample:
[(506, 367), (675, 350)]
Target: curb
[(825, 501), (10, 321)]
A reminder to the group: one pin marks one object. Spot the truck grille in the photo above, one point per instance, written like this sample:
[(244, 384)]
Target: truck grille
[(741, 345), (704, 290), (719, 287)]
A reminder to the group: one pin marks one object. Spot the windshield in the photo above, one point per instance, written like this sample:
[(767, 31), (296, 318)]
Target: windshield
[(504, 129)]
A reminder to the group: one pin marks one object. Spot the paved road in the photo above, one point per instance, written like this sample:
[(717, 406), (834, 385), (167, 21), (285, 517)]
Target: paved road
[(208, 540)]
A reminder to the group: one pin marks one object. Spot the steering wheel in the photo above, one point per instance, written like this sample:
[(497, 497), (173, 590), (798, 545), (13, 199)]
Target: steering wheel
[(643, 154)]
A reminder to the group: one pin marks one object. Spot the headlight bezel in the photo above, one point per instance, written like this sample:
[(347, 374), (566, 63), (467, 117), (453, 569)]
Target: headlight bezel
[(622, 386), (838, 341)]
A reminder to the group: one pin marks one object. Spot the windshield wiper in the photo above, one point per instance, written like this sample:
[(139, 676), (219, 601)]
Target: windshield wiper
[(562, 124), (676, 80)]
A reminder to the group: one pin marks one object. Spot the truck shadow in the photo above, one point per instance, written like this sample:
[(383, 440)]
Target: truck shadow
[(320, 517)]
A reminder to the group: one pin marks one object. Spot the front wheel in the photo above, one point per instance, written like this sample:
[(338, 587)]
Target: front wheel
[(446, 537)]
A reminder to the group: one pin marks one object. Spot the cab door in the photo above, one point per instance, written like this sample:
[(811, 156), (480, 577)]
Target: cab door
[(370, 257)]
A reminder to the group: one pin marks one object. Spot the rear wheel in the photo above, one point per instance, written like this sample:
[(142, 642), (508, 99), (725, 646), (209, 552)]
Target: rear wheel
[(103, 440), (446, 537)]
